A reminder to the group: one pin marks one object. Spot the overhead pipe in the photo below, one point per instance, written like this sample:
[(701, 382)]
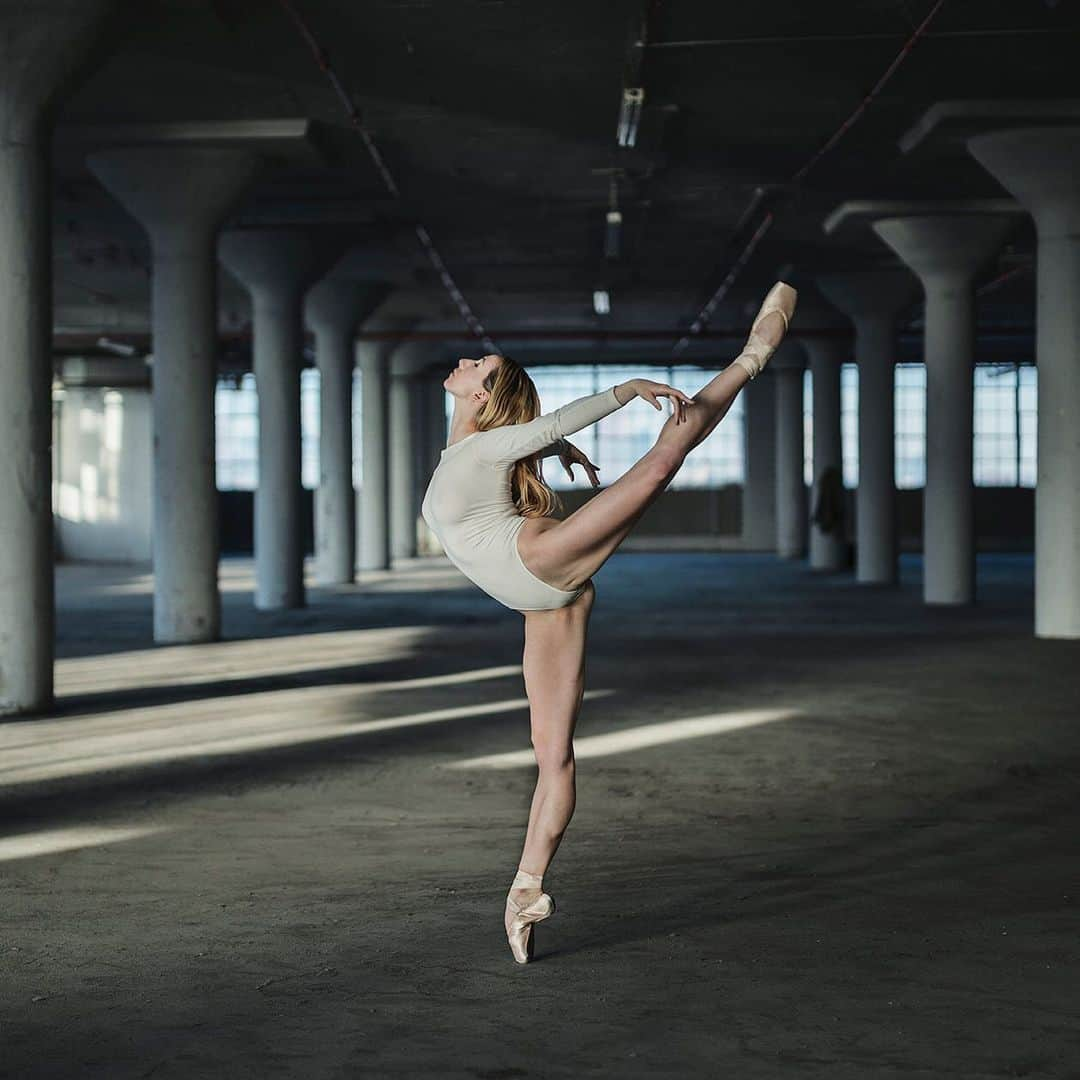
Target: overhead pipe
[(85, 344)]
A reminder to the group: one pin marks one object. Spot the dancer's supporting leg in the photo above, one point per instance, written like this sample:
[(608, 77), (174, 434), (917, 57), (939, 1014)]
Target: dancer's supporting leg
[(554, 670)]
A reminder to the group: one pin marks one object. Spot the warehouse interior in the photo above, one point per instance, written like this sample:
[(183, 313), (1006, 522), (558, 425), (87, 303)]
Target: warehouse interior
[(265, 751)]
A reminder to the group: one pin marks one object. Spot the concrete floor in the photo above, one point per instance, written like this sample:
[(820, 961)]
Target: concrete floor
[(821, 831)]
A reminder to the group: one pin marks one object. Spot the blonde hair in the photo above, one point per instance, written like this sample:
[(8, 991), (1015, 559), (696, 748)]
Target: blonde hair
[(513, 399)]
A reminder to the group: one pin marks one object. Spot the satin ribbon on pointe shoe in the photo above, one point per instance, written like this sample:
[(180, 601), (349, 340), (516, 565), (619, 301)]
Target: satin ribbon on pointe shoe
[(757, 350)]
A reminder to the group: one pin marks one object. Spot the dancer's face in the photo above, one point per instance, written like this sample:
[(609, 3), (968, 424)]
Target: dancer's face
[(466, 381)]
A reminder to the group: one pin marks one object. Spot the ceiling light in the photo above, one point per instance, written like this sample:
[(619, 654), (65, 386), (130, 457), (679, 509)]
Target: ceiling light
[(612, 234), (117, 347), (601, 302), (633, 97)]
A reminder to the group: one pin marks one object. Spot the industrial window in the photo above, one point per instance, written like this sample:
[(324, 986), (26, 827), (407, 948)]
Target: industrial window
[(849, 425), (309, 427), (1027, 385), (910, 417), (1005, 425), (357, 429), (623, 437), (1004, 448), (719, 460), (849, 422), (236, 408), (310, 420), (996, 457)]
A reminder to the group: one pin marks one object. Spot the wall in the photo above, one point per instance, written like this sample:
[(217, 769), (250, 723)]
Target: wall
[(102, 453)]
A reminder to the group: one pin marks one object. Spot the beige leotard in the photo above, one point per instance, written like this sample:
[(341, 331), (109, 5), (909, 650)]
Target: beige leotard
[(469, 508)]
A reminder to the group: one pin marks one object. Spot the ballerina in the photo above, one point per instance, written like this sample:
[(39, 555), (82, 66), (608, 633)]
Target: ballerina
[(491, 511)]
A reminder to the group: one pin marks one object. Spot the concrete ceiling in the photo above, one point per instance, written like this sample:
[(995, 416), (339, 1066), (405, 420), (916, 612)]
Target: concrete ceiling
[(498, 117)]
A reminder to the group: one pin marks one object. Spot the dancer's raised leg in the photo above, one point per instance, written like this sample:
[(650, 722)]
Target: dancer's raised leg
[(567, 553)]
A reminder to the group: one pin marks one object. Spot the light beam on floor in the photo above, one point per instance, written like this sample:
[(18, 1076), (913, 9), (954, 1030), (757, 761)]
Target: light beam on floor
[(637, 738), (37, 750), (50, 841), (242, 661)]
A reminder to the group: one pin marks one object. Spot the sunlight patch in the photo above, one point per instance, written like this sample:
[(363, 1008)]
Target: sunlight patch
[(638, 738)]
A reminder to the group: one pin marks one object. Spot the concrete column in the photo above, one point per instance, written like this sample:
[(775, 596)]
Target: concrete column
[(787, 366), (431, 423), (827, 546), (180, 195), (373, 359), (1040, 167), (277, 266), (759, 482), (946, 252), (872, 299), (333, 308), (402, 472), (405, 493), (41, 52)]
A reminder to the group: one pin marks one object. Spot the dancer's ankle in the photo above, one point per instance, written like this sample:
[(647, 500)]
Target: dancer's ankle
[(526, 881), (748, 364)]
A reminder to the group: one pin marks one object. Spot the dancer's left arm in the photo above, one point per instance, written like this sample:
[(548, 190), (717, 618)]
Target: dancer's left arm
[(505, 445)]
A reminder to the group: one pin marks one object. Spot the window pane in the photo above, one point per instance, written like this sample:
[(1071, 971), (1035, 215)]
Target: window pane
[(623, 437), (910, 411), (236, 408), (849, 422), (558, 386), (357, 429), (1028, 380), (626, 435), (309, 427), (995, 449)]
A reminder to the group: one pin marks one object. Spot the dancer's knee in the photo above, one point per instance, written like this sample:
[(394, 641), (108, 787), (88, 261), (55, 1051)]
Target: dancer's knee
[(554, 756)]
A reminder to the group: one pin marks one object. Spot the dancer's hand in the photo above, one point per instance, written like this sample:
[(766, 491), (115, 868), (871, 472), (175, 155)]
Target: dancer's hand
[(650, 391), (571, 455)]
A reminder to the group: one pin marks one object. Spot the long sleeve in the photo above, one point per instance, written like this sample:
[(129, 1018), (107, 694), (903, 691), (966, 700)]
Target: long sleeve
[(508, 444)]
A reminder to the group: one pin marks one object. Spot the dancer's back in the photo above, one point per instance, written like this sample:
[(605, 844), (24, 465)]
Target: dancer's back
[(469, 507)]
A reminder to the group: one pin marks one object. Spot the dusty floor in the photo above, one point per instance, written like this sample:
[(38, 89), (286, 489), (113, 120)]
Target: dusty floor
[(821, 831)]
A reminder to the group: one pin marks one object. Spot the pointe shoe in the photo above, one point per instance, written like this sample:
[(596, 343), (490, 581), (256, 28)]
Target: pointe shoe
[(756, 352), (520, 933)]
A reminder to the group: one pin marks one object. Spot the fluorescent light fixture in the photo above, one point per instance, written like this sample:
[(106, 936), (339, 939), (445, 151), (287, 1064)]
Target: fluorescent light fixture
[(633, 97), (612, 234), (117, 347), (601, 302)]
